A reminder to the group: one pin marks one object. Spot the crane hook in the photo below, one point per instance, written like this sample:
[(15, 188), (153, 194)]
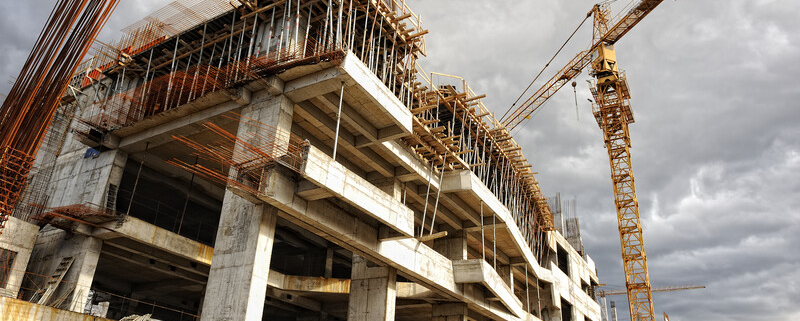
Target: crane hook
[(575, 92)]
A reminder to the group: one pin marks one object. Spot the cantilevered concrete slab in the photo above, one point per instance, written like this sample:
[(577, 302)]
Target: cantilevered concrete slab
[(465, 182), (326, 173), (479, 271), (367, 106)]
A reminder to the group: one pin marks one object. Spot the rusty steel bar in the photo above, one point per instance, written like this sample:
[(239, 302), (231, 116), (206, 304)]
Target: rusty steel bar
[(28, 110)]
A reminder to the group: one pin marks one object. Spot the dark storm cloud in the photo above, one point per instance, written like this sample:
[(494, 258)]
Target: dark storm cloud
[(716, 143)]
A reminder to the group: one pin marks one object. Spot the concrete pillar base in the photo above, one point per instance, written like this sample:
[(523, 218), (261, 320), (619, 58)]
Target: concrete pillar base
[(237, 282), (372, 292)]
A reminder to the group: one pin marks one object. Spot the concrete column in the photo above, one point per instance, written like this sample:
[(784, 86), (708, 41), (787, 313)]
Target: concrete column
[(86, 258), (328, 262), (450, 312), (507, 274), (76, 283), (372, 292), (237, 282), (274, 111), (18, 237), (79, 180), (391, 186), (454, 246), (314, 262)]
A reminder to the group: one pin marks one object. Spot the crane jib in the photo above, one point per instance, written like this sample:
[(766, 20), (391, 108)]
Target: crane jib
[(573, 68)]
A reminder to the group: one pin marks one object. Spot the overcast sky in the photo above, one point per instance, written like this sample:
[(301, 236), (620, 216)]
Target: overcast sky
[(716, 143)]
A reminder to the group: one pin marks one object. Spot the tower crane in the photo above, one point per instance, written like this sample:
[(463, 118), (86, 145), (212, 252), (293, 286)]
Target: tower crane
[(613, 114)]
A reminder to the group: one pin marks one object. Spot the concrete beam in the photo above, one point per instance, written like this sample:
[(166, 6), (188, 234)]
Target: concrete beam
[(312, 192), (295, 300), (313, 85), (369, 134), (331, 102), (166, 287), (316, 117), (129, 257), (413, 167), (19, 310), (449, 312), (380, 98), (156, 255), (442, 212), (154, 236)]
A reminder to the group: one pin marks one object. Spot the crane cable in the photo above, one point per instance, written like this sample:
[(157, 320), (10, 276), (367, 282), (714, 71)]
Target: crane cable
[(545, 66)]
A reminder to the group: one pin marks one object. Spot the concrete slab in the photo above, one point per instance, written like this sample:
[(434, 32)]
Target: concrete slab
[(209, 100), (162, 133)]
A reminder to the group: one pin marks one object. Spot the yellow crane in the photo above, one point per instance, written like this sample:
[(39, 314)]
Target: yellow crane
[(613, 114)]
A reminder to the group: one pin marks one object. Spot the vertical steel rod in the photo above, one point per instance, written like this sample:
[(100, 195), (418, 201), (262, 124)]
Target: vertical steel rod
[(338, 122)]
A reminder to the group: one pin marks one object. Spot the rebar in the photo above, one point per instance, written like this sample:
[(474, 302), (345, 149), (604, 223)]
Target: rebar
[(28, 110)]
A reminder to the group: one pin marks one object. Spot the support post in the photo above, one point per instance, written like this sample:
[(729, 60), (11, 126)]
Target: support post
[(73, 290), (237, 282), (507, 274), (453, 247), (372, 292)]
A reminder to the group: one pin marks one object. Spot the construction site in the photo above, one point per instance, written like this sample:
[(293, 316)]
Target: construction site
[(291, 160)]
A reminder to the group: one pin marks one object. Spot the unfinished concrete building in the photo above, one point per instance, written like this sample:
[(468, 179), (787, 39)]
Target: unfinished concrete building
[(283, 160)]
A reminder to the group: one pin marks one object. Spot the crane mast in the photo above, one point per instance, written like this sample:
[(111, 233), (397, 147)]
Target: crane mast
[(613, 114)]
